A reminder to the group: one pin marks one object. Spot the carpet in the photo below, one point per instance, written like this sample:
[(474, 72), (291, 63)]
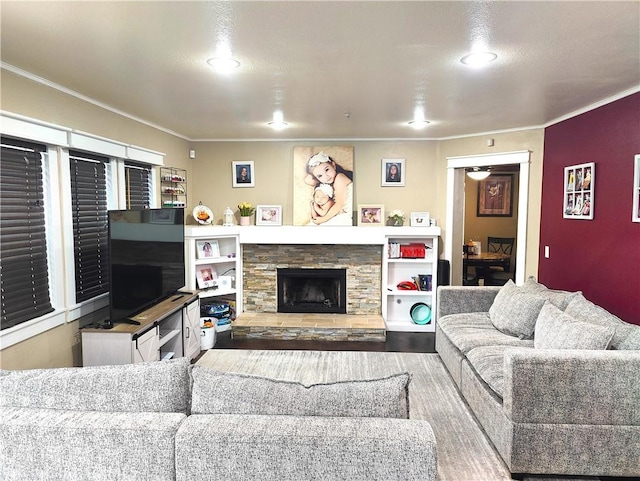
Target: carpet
[(464, 453)]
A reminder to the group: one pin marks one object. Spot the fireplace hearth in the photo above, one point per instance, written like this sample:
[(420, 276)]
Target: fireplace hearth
[(312, 290)]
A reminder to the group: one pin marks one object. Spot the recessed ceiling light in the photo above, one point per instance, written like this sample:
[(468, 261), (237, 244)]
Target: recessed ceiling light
[(418, 124), (223, 64), (478, 59), (278, 122)]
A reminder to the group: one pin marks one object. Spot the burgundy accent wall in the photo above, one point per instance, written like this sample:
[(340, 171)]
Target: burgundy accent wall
[(600, 257)]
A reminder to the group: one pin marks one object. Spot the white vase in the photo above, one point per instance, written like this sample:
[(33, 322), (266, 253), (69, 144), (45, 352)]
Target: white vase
[(245, 220)]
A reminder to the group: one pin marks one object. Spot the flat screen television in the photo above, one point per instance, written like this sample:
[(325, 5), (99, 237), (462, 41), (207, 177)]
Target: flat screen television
[(146, 259)]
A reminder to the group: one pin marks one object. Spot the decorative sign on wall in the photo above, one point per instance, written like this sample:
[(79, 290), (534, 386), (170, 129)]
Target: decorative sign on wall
[(495, 196), (636, 189), (579, 183)]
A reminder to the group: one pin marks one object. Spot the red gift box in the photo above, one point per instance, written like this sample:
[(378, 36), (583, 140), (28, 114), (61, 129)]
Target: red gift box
[(413, 250)]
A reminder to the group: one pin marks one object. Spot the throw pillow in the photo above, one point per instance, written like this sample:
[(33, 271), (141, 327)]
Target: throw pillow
[(627, 336), (216, 392), (558, 330), (560, 299), (514, 312)]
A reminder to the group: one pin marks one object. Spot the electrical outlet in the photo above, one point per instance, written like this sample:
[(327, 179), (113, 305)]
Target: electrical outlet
[(546, 252)]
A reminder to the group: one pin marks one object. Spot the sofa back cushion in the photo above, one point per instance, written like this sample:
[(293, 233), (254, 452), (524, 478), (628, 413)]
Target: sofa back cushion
[(514, 312), (145, 387), (627, 336), (216, 392), (560, 299), (557, 330)]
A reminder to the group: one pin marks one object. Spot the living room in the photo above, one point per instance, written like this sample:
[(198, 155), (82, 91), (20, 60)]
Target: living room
[(600, 257)]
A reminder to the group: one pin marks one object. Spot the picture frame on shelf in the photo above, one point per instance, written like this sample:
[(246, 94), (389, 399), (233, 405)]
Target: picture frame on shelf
[(495, 196), (242, 173), (207, 249), (420, 219), (268, 215), (393, 173), (636, 189), (578, 199), (206, 276), (370, 215)]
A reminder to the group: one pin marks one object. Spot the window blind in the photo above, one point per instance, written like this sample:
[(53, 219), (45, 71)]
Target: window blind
[(24, 273), (89, 213), (138, 185)]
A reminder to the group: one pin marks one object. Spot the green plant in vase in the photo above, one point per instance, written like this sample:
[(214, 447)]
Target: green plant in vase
[(396, 217), (246, 211)]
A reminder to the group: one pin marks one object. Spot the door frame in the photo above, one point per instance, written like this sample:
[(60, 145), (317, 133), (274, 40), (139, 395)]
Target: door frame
[(454, 222)]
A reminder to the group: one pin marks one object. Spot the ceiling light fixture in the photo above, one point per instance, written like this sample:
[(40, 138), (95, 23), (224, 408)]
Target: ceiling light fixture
[(418, 124), (278, 122), (479, 174), (478, 59), (223, 64)]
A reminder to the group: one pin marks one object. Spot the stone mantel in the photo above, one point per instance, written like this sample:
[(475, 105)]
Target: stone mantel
[(289, 234)]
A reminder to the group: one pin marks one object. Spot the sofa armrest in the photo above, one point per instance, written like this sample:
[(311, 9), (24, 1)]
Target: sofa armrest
[(556, 386), (295, 448), (459, 299)]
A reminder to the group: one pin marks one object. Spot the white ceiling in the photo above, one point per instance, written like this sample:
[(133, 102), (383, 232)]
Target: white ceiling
[(318, 60)]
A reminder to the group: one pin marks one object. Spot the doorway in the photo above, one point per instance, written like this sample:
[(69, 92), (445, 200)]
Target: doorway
[(455, 214)]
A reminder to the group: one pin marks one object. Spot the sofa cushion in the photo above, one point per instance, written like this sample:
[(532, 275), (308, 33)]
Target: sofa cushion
[(471, 330), (216, 392), (560, 299), (514, 312), (488, 362), (145, 387), (627, 336), (557, 330)]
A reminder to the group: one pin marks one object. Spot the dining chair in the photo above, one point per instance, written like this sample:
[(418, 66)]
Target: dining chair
[(498, 275)]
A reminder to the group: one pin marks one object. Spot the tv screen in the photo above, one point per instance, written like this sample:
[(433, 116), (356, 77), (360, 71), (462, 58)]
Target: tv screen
[(146, 250)]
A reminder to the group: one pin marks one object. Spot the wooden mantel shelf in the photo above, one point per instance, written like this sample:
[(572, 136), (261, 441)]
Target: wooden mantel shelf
[(289, 234)]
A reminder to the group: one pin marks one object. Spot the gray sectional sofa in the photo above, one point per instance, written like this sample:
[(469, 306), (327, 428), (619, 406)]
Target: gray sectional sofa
[(553, 379), (168, 420)]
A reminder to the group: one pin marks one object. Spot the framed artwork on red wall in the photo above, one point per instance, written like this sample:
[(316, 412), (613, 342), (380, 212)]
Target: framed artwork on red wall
[(636, 189), (579, 181)]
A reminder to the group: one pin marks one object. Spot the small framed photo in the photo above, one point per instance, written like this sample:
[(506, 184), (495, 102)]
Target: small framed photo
[(420, 219), (579, 183), (269, 215), (369, 215), (207, 249), (393, 173), (206, 276), (242, 173)]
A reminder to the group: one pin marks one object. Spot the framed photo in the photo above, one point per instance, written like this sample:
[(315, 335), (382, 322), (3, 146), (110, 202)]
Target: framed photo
[(420, 219), (392, 173), (636, 189), (269, 215), (242, 173), (370, 215), (495, 196), (207, 249), (206, 276), (578, 198)]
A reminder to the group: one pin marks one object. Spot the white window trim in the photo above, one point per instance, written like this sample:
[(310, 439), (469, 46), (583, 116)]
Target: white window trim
[(58, 217)]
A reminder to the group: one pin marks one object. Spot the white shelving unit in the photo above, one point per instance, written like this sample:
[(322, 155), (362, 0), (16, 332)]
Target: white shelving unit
[(227, 263), (397, 303)]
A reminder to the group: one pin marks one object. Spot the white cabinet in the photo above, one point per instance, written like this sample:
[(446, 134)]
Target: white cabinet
[(221, 257), (166, 330), (396, 268)]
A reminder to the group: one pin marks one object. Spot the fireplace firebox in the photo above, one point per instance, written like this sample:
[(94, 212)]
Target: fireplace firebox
[(312, 290)]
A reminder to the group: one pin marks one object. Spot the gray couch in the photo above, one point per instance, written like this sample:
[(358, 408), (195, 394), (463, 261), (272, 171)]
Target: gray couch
[(169, 420), (553, 379)]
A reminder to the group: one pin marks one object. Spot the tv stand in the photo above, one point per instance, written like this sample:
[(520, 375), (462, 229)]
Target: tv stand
[(168, 329)]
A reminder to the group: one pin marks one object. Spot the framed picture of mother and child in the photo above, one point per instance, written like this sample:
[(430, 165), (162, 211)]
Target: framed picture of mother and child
[(323, 185)]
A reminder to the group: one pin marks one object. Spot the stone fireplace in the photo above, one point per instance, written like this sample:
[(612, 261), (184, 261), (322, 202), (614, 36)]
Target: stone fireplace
[(362, 265), (321, 291)]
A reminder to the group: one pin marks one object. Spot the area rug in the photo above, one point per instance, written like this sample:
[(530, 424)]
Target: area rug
[(464, 453)]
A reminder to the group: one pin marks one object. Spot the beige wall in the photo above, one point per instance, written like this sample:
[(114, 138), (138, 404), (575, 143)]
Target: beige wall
[(209, 180)]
